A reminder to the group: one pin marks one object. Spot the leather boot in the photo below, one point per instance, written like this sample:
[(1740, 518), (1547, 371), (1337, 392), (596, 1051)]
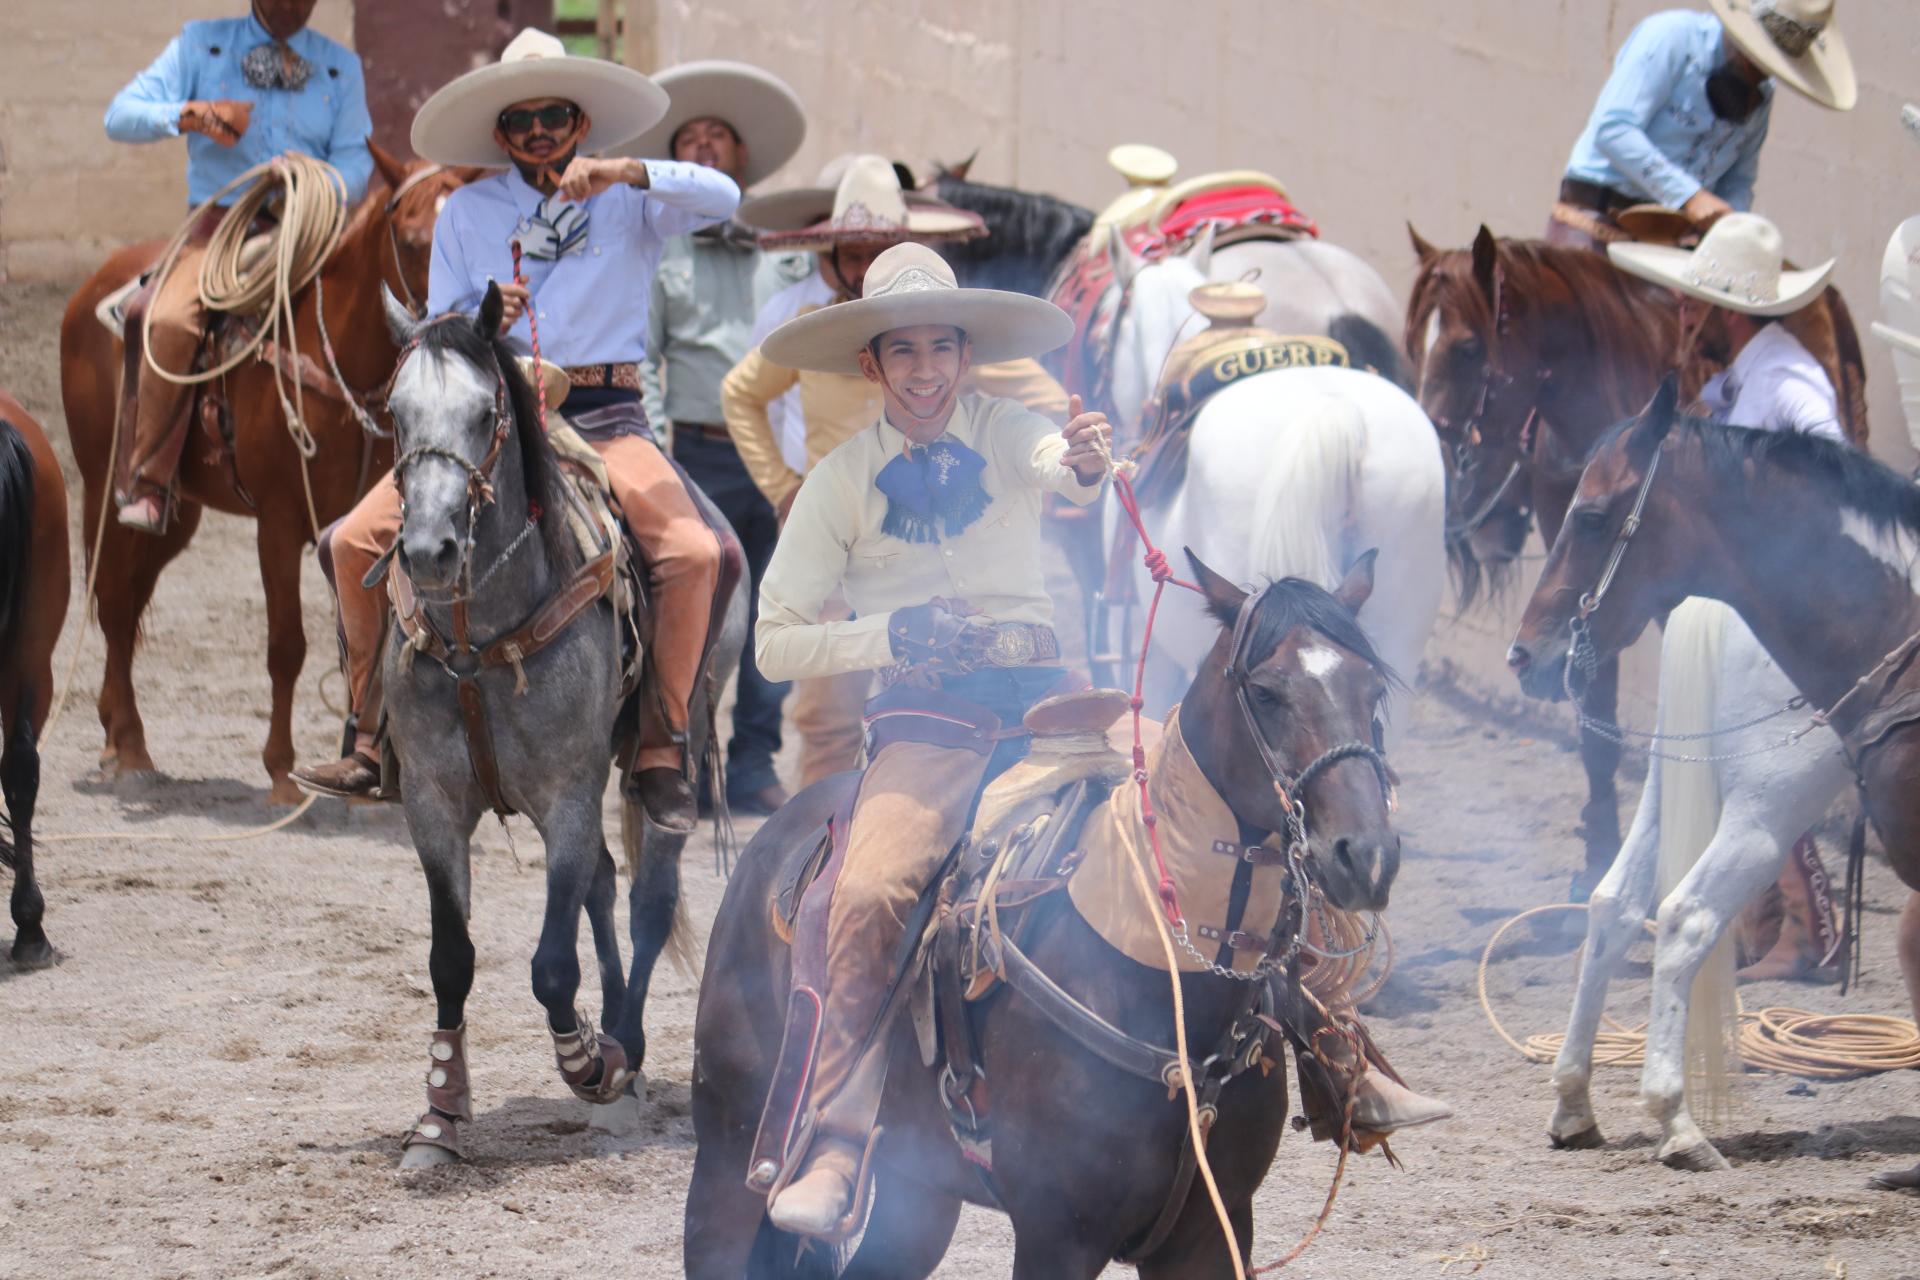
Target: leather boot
[(349, 777), (668, 798), (1808, 947), (816, 1201)]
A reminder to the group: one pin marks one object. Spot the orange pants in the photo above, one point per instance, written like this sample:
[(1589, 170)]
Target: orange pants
[(150, 455), (683, 558)]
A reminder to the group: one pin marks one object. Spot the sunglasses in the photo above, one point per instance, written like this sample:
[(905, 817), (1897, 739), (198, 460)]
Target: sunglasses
[(553, 117)]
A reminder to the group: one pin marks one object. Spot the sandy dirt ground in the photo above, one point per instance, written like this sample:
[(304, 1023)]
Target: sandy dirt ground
[(215, 1079)]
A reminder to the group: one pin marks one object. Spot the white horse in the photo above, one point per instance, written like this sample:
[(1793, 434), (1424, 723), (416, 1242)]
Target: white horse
[(1309, 284), (1707, 840), (1293, 473)]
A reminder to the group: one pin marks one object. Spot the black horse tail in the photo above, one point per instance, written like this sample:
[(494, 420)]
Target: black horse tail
[(1369, 347), (16, 530)]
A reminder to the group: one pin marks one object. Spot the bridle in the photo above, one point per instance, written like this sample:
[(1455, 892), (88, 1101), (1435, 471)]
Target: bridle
[(1580, 644), (411, 181), (480, 490)]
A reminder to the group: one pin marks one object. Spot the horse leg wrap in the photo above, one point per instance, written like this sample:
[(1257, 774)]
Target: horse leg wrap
[(447, 1097), (579, 1052)]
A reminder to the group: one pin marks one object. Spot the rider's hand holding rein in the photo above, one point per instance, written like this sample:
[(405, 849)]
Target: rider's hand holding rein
[(223, 121), (1089, 441), (588, 176), (513, 303)]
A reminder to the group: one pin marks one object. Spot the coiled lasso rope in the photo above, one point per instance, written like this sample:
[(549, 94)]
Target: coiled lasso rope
[(1788, 1041), (312, 217)]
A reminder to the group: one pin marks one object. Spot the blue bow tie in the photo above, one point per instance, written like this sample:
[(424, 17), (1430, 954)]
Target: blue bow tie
[(932, 489)]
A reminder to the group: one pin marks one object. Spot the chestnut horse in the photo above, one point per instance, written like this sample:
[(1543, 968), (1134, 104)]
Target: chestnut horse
[(33, 604), (1817, 547), (1524, 354), (1085, 1153), (386, 241)]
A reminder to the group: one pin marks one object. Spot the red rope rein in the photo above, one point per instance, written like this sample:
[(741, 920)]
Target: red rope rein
[(533, 328)]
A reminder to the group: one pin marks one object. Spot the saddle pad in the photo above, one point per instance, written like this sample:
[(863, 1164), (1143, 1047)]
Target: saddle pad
[(1241, 206)]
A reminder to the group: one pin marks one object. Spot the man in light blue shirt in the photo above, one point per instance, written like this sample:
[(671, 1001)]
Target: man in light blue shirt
[(247, 90), (589, 232), (1681, 119)]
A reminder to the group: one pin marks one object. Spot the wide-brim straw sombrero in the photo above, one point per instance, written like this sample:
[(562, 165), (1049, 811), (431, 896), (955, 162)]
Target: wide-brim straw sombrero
[(910, 285), (1797, 43), (760, 107), (868, 206), (455, 126), (1738, 264)]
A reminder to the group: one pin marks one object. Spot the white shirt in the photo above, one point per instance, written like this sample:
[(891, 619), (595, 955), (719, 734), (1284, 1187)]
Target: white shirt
[(789, 428), (1775, 384)]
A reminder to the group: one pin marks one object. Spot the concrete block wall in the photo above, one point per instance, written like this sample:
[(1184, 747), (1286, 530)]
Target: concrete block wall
[(68, 195)]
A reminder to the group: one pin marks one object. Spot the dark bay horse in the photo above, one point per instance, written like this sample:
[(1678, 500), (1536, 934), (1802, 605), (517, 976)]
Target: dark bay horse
[(387, 241), (1524, 354), (1815, 545), (34, 572), (485, 545), (1084, 1153)]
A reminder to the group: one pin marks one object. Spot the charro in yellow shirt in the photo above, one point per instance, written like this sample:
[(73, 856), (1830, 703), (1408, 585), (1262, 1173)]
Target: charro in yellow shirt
[(833, 539), (836, 406)]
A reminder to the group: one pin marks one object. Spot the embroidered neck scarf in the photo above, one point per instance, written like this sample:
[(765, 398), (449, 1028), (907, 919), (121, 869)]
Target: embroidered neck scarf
[(274, 65), (552, 231), (932, 491)]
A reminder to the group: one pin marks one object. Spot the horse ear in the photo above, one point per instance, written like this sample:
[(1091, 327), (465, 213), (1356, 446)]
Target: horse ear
[(401, 324), (962, 169), (391, 167), (1486, 259), (1200, 257), (493, 309), (1357, 586), (1223, 598), (1120, 256), (1421, 249), (1657, 418)]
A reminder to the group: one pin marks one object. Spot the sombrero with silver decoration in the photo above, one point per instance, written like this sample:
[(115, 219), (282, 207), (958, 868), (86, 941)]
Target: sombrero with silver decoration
[(1796, 42), (455, 126), (1738, 264), (762, 110), (909, 285)]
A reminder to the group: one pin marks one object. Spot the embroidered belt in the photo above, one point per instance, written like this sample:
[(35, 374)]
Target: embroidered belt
[(605, 375), (1021, 644)]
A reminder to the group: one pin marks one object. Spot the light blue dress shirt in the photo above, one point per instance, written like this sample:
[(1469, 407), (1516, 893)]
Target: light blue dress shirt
[(1652, 134), (326, 117), (592, 303)]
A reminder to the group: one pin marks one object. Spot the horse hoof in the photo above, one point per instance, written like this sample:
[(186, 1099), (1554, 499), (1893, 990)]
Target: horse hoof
[(1897, 1180), (33, 953), (285, 794), (1698, 1158), (424, 1155), (1587, 1139), (621, 1117)]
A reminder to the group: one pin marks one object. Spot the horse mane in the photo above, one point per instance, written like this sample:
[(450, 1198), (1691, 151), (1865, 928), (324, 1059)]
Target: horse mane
[(1295, 602), (1031, 234), (1849, 477), (455, 334)]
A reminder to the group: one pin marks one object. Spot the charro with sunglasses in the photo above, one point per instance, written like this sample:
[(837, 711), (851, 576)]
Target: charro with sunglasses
[(573, 240)]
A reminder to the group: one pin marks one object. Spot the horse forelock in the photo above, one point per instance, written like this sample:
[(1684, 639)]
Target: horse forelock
[(1291, 603)]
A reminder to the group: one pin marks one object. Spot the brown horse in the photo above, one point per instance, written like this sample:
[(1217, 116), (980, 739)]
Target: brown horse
[(1084, 1154), (1813, 543), (258, 474), (1524, 354), (33, 603)]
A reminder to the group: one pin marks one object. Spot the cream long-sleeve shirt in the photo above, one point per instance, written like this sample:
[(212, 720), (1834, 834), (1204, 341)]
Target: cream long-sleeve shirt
[(836, 406), (832, 539)]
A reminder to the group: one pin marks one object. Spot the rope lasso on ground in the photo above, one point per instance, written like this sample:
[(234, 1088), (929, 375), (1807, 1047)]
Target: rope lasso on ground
[(1776, 1039)]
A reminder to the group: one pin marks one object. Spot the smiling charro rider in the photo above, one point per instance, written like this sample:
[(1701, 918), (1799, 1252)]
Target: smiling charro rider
[(590, 233)]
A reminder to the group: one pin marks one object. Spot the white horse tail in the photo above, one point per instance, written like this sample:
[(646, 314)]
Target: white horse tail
[(1690, 655), (1306, 497)]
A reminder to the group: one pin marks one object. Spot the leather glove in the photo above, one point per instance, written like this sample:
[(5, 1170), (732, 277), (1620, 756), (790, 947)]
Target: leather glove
[(934, 637)]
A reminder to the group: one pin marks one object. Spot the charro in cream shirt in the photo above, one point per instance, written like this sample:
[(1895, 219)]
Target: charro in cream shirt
[(832, 539)]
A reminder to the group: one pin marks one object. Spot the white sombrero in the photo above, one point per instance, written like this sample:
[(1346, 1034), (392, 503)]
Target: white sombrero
[(908, 285), (759, 106), (1738, 264), (455, 125), (1796, 42), (867, 205)]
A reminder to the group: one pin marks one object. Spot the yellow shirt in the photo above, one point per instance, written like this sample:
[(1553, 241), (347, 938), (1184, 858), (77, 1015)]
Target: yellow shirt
[(836, 406), (832, 539)]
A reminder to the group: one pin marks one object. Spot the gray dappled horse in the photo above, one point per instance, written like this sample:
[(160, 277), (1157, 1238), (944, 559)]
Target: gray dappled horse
[(484, 530)]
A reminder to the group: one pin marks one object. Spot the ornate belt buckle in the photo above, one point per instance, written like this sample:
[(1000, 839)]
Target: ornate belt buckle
[(1013, 645)]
